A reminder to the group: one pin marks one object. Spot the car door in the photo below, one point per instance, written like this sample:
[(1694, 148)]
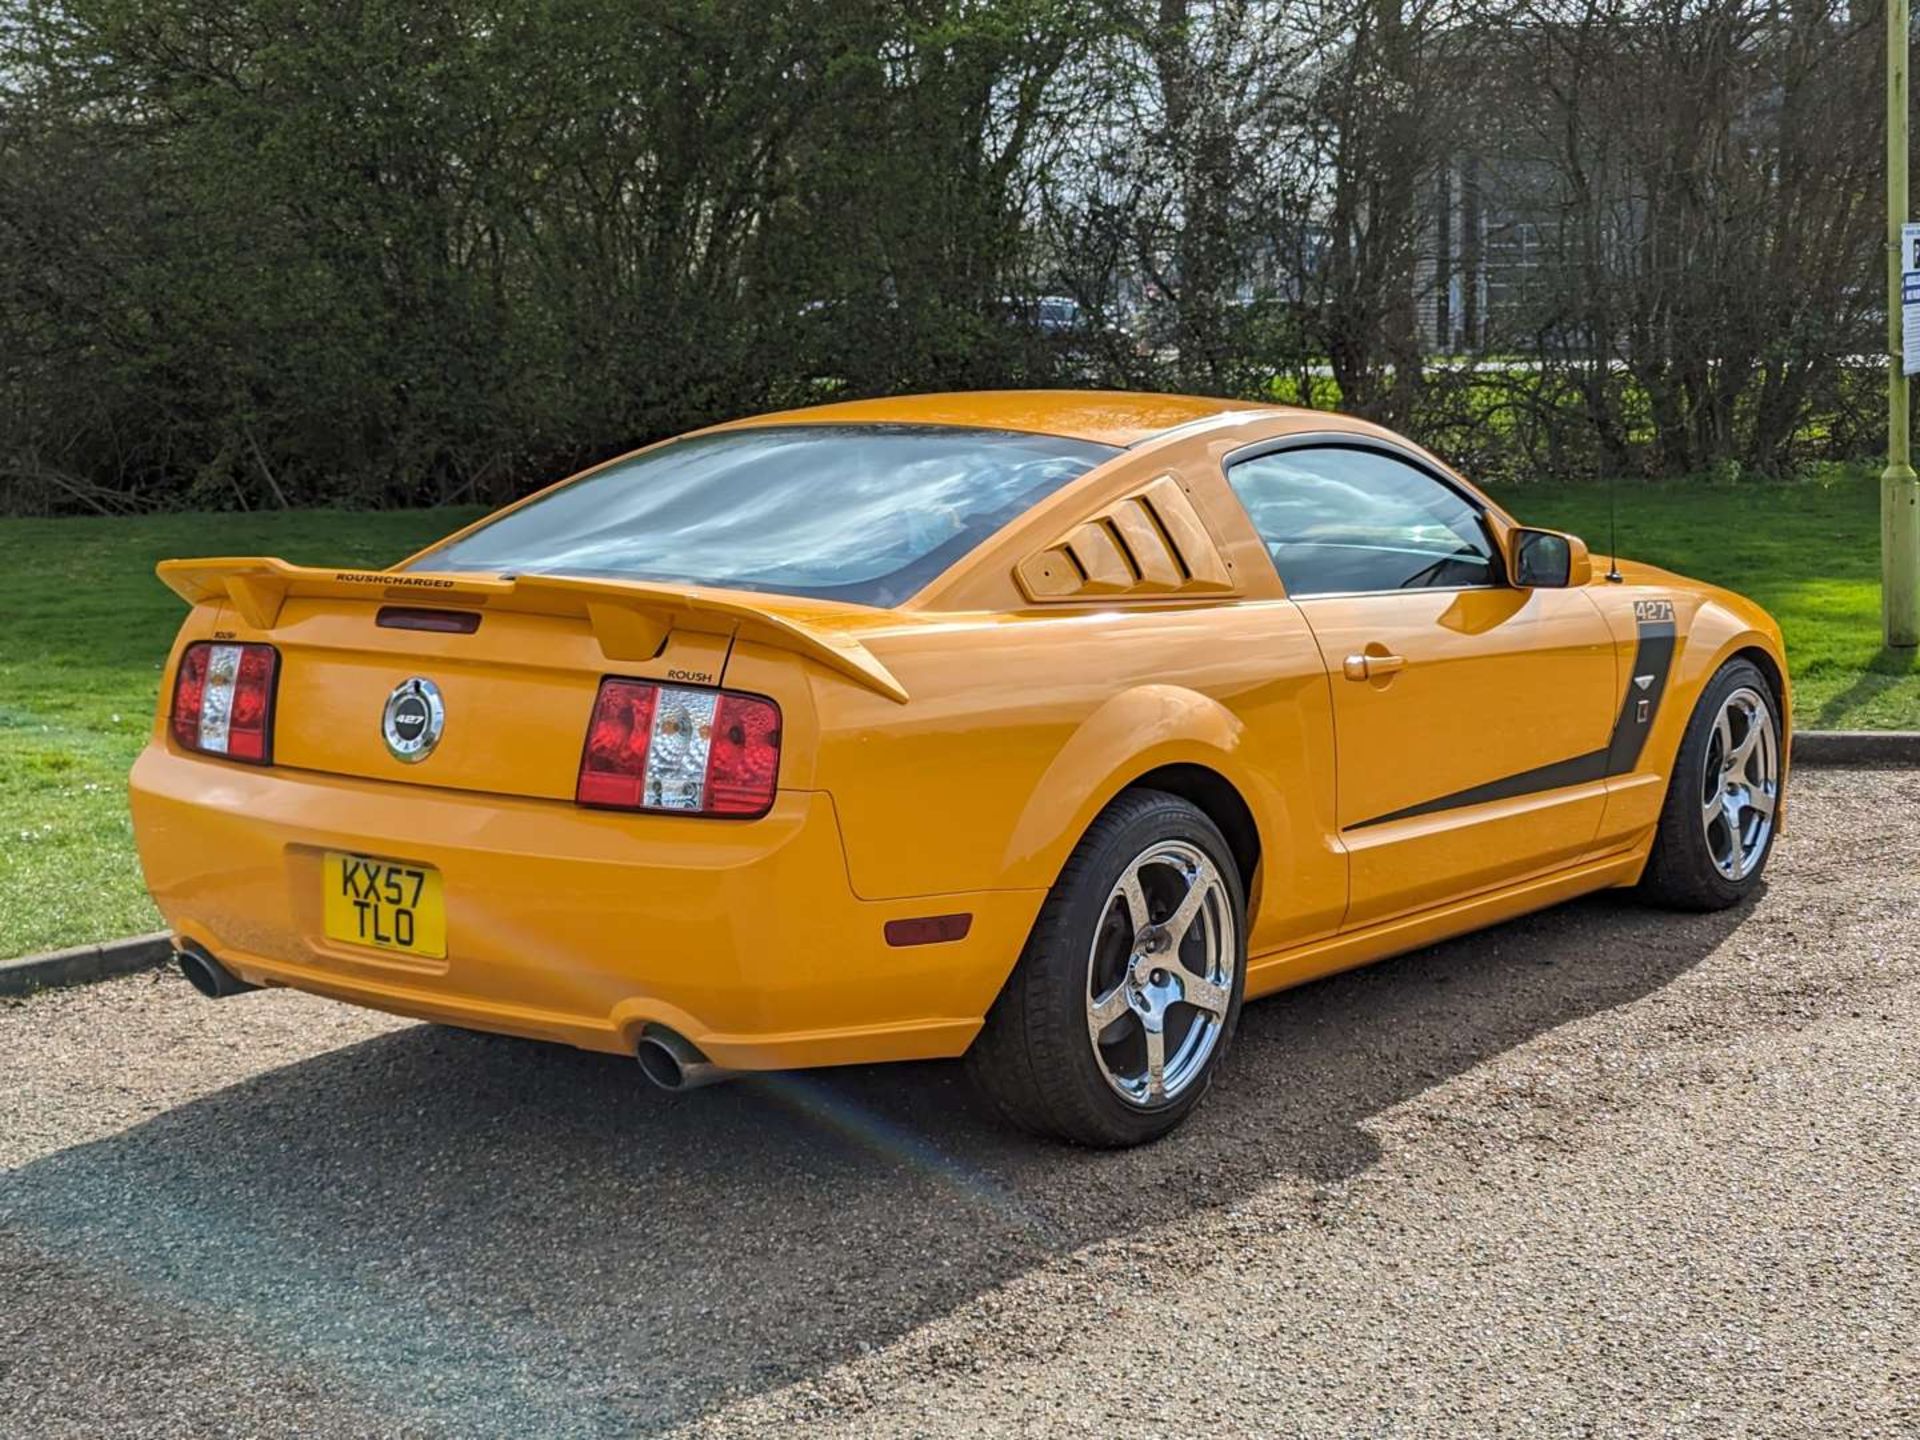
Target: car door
[(1468, 714)]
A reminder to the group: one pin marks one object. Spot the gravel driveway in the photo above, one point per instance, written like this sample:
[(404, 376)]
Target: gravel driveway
[(1602, 1171)]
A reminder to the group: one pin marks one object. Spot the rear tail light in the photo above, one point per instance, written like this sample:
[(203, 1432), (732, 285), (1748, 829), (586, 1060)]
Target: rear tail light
[(223, 700), (663, 747)]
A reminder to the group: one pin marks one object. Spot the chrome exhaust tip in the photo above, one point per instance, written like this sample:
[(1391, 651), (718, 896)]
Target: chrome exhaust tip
[(208, 975), (673, 1062)]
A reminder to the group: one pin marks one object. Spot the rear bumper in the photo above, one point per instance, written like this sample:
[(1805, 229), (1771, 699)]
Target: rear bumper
[(574, 925)]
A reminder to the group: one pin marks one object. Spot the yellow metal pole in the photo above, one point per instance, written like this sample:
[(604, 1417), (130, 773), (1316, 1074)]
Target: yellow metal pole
[(1899, 488)]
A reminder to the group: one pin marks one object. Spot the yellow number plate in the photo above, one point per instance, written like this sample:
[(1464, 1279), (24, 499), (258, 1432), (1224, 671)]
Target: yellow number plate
[(384, 904)]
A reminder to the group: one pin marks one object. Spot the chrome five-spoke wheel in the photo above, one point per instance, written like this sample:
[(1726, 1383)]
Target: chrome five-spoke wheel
[(1741, 783), (1160, 973), (1127, 994), (1721, 811)]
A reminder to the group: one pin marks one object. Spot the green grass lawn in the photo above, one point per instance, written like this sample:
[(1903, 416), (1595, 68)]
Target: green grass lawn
[(85, 628)]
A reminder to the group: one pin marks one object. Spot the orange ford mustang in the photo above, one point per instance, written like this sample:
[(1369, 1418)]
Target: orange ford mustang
[(1042, 728)]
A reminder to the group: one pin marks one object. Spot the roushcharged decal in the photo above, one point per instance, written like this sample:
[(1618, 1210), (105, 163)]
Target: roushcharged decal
[(405, 582)]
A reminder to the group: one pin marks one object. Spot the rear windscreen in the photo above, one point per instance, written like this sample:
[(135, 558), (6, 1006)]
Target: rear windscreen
[(867, 513)]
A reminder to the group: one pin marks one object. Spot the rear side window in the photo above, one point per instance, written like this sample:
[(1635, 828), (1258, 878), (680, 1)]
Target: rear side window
[(866, 513), (1341, 521)]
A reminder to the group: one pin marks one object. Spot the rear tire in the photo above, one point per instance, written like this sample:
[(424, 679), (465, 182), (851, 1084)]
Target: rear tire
[(1123, 1004), (1716, 827)]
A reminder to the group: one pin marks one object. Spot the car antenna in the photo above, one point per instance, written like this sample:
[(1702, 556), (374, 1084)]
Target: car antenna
[(1613, 529)]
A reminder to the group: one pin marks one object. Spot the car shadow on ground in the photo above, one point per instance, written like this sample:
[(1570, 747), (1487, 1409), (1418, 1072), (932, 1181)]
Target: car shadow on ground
[(514, 1237)]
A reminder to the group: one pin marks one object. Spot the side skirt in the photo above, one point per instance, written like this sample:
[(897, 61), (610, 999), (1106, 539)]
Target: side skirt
[(1283, 969)]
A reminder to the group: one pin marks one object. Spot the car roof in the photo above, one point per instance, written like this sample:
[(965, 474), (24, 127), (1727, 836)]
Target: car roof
[(1106, 417)]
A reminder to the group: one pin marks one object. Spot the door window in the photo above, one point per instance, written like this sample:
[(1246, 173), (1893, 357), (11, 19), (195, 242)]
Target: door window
[(1342, 521)]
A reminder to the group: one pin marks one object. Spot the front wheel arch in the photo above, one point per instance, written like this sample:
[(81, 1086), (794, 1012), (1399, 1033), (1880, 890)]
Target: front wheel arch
[(1681, 870), (1764, 662)]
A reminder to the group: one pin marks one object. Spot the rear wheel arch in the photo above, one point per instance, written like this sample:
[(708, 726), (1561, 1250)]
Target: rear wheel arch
[(1143, 730), (1041, 1054), (1220, 800), (1196, 768)]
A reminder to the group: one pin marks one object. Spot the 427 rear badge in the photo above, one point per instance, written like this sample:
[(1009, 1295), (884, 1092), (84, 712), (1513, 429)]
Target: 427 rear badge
[(412, 720)]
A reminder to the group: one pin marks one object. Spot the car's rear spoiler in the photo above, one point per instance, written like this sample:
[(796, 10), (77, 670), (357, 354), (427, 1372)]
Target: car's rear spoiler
[(631, 619)]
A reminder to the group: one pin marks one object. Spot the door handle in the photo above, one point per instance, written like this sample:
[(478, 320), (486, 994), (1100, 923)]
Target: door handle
[(1372, 667)]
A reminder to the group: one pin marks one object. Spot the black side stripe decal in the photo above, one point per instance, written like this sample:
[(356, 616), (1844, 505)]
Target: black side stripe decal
[(1652, 660)]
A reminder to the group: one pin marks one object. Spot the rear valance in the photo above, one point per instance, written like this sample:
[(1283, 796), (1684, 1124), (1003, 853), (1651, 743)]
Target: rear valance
[(630, 619)]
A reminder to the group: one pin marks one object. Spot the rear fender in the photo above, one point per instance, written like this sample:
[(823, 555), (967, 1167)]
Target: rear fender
[(1134, 732)]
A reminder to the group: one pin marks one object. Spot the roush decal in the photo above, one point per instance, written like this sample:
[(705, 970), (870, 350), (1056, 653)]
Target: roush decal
[(1646, 684)]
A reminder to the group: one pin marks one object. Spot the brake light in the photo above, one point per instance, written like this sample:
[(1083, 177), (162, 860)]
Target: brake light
[(223, 700), (664, 747), (422, 617)]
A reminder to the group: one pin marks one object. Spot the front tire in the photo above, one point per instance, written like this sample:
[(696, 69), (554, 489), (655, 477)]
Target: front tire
[(1716, 828), (1125, 1000)]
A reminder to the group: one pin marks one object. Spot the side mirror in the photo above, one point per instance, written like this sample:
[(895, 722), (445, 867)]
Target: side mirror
[(1547, 559)]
